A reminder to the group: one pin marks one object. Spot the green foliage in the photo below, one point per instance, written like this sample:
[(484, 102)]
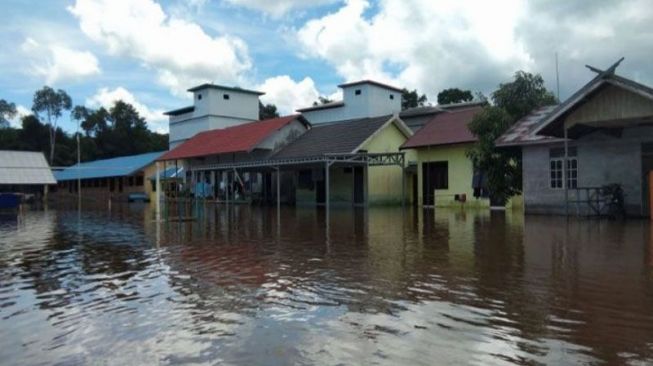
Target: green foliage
[(7, 111), (48, 105), (267, 111), (520, 96), (411, 99), (119, 131), (512, 101), (322, 100), (109, 133), (501, 166), (454, 95)]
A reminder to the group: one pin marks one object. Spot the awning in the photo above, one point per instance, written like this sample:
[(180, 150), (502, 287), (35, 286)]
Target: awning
[(170, 173)]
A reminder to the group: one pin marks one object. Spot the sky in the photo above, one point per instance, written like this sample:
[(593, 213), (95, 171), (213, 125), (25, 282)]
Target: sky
[(148, 52)]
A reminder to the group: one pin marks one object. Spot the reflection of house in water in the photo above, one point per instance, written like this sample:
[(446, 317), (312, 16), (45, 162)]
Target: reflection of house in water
[(592, 281)]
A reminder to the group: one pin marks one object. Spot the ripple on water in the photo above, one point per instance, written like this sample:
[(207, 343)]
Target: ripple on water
[(382, 287)]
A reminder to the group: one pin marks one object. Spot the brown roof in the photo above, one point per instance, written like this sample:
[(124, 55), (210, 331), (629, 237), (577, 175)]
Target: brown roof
[(523, 131), (240, 138), (449, 127)]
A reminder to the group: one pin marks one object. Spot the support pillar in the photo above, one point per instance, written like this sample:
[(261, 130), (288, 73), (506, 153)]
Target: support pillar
[(158, 192), (564, 172), (403, 187), (327, 188), (278, 189)]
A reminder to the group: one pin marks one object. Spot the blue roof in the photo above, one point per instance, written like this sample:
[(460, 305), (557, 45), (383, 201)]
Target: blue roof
[(116, 167)]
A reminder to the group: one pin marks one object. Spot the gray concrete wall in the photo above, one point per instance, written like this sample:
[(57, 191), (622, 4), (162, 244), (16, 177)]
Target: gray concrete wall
[(602, 160)]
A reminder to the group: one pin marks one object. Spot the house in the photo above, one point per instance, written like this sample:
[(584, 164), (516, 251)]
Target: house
[(25, 172), (445, 175), (604, 133), (107, 179), (214, 107), (203, 155), (361, 99), (345, 145), (348, 162)]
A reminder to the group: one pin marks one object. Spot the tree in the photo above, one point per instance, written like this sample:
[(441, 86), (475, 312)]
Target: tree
[(50, 104), (322, 100), (411, 99), (267, 111), (520, 96), (454, 95), (512, 101), (7, 112)]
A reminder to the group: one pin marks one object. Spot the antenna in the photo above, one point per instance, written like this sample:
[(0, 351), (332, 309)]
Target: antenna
[(557, 78)]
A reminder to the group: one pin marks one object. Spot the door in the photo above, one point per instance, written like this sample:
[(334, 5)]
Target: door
[(435, 175), (413, 179), (359, 185), (647, 166)]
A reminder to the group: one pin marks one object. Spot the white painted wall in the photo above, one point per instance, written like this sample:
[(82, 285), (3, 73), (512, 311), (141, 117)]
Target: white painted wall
[(372, 101), (212, 111)]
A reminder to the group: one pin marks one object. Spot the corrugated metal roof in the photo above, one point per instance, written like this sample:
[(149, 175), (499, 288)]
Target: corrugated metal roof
[(173, 172), (341, 137), (336, 104), (24, 167), (419, 111), (523, 131), (449, 127), (240, 138), (116, 167)]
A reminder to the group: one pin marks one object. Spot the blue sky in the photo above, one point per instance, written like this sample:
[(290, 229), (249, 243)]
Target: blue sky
[(148, 53)]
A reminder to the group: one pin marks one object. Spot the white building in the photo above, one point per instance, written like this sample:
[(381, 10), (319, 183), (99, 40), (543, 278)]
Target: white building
[(361, 99), (214, 106)]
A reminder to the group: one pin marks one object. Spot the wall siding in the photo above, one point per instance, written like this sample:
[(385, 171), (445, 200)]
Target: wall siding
[(461, 173), (602, 159)]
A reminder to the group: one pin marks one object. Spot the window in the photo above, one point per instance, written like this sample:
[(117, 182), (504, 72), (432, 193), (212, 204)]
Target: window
[(392, 96), (556, 162), (435, 175), (357, 92), (225, 96), (139, 181), (199, 96)]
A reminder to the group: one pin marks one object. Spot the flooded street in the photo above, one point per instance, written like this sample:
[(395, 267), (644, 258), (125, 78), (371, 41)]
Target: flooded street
[(250, 286)]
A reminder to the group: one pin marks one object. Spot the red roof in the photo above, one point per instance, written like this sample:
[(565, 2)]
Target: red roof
[(449, 127), (241, 138)]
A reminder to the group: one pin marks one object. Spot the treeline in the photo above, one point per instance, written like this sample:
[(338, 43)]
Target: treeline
[(104, 133)]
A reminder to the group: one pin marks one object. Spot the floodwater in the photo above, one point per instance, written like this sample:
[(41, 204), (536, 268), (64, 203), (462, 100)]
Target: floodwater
[(250, 286)]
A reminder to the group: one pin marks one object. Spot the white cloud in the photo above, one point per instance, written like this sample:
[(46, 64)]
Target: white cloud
[(287, 94), (106, 98), (56, 63), (424, 44), (435, 44), (179, 50), (277, 8), (21, 111)]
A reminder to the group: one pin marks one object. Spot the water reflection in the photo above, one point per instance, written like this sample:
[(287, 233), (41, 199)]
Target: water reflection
[(247, 285)]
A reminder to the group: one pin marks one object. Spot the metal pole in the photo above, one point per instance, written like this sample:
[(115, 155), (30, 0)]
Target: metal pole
[(564, 172), (158, 191)]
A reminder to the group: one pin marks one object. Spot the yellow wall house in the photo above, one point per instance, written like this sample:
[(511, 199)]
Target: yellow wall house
[(350, 183), (445, 175)]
